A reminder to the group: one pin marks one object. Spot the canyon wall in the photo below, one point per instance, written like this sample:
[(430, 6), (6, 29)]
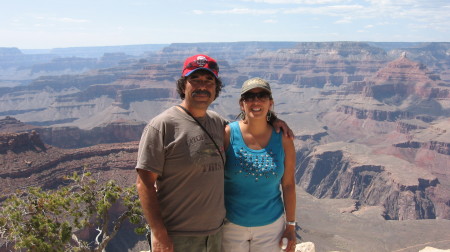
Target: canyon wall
[(332, 171), (339, 98)]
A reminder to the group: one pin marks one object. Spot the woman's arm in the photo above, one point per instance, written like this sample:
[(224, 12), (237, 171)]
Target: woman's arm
[(288, 187)]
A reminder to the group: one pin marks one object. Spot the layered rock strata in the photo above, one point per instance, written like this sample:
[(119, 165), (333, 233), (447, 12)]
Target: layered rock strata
[(341, 170), (317, 64), (25, 161), (74, 137), (403, 78)]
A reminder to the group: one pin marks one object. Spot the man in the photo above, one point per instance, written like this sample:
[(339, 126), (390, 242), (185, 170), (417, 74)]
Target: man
[(180, 165)]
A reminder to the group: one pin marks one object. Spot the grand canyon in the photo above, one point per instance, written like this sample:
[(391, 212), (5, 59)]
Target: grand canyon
[(371, 123)]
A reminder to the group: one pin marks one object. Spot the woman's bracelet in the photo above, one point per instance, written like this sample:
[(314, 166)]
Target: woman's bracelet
[(291, 223)]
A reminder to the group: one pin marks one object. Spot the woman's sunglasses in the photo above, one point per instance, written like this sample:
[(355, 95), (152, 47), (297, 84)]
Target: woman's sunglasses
[(250, 97)]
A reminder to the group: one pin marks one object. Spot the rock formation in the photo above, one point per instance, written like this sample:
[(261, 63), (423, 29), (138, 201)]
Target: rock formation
[(19, 142), (342, 170), (371, 125), (326, 64), (25, 161), (403, 78), (11, 125), (316, 64), (74, 137), (398, 120)]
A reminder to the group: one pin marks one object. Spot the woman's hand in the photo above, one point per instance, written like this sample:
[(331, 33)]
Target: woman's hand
[(289, 233)]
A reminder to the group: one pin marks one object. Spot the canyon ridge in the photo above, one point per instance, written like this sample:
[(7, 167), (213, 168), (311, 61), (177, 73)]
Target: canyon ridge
[(371, 123)]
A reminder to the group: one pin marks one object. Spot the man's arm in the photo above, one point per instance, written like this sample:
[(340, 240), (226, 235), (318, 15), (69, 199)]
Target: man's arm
[(226, 137), (145, 184)]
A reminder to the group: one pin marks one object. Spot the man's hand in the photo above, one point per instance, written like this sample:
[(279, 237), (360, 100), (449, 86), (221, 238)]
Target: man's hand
[(145, 184), (282, 125), (161, 243)]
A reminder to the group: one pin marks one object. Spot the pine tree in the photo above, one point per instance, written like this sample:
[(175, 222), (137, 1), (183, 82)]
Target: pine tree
[(39, 220)]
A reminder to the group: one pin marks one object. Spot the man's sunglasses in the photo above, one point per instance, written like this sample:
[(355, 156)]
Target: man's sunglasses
[(262, 96)]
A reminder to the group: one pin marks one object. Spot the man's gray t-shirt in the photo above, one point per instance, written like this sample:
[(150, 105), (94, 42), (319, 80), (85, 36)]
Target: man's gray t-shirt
[(190, 186)]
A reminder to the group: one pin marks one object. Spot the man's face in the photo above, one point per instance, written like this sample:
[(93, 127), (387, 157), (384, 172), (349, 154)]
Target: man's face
[(200, 89)]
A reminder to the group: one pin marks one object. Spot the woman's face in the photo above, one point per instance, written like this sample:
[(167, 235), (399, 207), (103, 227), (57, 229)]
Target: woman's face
[(256, 103)]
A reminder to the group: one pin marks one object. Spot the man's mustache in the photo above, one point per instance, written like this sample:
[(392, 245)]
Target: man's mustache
[(200, 92)]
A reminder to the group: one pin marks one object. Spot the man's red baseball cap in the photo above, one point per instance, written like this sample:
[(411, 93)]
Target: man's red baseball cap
[(200, 61)]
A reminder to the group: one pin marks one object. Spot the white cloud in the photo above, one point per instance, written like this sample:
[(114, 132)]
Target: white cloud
[(246, 11), (270, 21), (410, 8), (39, 25), (434, 12), (71, 20), (345, 20), (198, 12), (138, 3), (335, 10), (62, 19), (393, 2), (310, 2)]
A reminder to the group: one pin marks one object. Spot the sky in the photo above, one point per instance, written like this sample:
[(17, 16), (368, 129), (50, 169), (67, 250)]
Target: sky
[(45, 24)]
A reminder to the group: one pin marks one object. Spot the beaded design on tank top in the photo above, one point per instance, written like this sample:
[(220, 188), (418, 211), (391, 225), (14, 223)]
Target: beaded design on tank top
[(259, 165)]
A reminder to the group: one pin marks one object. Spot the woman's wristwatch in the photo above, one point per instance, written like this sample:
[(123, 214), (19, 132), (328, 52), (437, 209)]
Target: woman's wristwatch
[(291, 223)]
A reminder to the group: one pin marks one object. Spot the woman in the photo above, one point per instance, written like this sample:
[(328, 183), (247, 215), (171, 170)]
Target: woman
[(259, 215)]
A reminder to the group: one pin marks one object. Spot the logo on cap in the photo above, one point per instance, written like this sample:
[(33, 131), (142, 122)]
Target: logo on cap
[(201, 61)]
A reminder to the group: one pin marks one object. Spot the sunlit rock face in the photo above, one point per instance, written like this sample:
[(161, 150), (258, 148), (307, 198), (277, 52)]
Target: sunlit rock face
[(402, 78), (317, 64), (342, 170), (400, 118)]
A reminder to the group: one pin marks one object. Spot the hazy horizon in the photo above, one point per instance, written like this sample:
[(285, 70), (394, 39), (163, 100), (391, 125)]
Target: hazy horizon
[(44, 50)]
